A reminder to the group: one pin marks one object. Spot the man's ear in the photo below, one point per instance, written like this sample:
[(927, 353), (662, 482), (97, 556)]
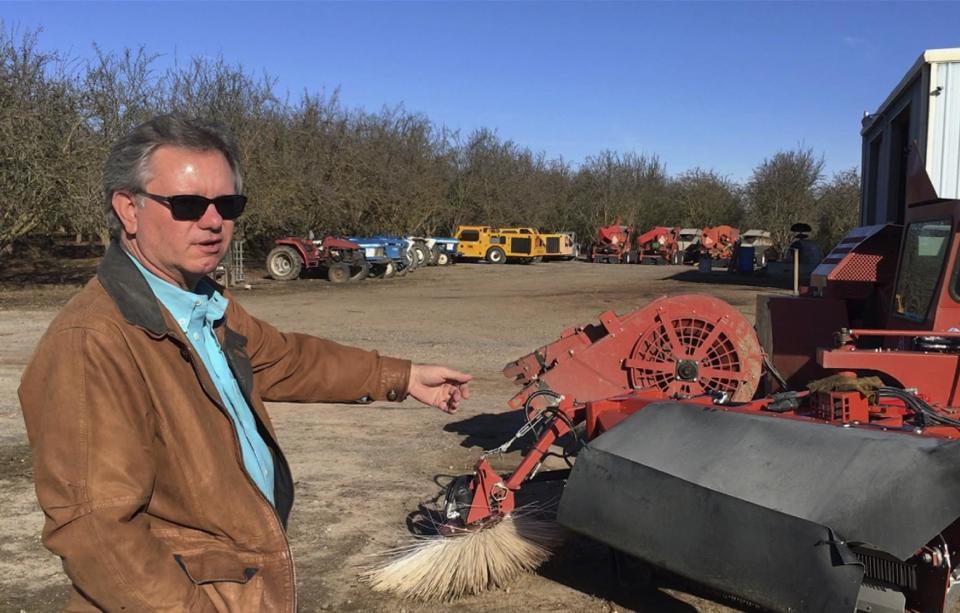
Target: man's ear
[(125, 206)]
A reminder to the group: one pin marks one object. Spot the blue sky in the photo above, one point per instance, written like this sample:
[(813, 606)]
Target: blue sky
[(714, 85)]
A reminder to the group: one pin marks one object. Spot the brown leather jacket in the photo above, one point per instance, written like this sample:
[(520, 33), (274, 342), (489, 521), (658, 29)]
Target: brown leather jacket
[(137, 465)]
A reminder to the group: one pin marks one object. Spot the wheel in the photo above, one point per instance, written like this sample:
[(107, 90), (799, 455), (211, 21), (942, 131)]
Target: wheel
[(401, 268), (434, 259), (389, 270), (360, 271), (338, 273), (444, 259), (495, 255), (283, 263), (411, 257), (422, 254)]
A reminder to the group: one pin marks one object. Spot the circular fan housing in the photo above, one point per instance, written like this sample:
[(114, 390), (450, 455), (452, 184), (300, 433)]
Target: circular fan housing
[(697, 345)]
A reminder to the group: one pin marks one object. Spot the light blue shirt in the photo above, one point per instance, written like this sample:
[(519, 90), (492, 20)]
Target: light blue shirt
[(196, 313)]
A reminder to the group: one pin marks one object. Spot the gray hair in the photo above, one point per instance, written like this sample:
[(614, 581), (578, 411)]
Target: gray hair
[(128, 164)]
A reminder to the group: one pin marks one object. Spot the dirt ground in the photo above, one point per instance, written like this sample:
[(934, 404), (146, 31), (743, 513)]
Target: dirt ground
[(360, 470)]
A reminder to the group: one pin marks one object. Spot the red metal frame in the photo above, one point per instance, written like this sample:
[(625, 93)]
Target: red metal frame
[(317, 253)]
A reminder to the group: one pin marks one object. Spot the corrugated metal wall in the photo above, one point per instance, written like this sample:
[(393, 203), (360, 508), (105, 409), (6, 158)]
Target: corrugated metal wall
[(943, 141), (883, 161)]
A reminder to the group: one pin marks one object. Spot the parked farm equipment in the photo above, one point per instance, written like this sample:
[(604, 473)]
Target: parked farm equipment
[(560, 245), (381, 255), (718, 242), (751, 251), (657, 246), (398, 250), (441, 251), (499, 245), (688, 245), (614, 245), (619, 244), (341, 260)]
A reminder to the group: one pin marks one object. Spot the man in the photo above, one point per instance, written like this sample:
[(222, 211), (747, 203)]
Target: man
[(156, 464)]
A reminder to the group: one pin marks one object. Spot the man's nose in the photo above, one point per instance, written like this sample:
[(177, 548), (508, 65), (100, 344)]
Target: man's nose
[(211, 219)]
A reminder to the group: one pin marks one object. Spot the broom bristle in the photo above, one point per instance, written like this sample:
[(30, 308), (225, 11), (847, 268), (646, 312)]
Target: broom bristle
[(446, 568)]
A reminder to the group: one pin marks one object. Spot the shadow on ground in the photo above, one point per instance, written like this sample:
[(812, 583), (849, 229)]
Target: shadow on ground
[(487, 430), (722, 277)]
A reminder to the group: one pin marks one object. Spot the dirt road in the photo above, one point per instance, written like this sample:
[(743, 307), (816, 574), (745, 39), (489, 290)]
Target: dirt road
[(361, 469)]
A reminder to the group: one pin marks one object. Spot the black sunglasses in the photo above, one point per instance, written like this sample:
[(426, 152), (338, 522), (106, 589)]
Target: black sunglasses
[(192, 208)]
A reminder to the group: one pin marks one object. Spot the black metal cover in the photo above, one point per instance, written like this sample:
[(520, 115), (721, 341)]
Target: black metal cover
[(759, 506)]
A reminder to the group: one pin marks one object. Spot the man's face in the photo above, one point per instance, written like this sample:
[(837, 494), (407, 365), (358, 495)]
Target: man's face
[(180, 252)]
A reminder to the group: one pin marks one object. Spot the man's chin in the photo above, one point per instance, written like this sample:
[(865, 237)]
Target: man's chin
[(204, 266)]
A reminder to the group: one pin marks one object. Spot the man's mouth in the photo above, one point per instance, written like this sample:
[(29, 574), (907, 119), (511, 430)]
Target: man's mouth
[(211, 246)]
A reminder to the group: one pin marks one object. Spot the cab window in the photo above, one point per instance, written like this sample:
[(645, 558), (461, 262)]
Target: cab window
[(470, 236), (921, 265)]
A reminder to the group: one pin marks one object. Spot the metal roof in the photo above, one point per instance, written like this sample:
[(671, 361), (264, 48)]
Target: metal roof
[(930, 56)]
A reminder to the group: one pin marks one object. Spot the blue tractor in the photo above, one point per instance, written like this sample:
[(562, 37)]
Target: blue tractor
[(443, 250), (386, 255)]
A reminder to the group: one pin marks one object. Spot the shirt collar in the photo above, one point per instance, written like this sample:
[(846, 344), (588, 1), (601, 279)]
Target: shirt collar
[(204, 303)]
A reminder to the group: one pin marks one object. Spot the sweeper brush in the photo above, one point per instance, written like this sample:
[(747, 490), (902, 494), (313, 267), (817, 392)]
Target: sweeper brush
[(465, 562)]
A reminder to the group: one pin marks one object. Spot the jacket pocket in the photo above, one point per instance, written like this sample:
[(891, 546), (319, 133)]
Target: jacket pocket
[(229, 584)]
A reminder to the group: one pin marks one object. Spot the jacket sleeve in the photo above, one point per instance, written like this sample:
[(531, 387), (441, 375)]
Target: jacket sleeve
[(91, 434), (290, 367)]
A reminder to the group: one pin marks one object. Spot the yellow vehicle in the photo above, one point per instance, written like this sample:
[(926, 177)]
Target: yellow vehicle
[(561, 246), (497, 245)]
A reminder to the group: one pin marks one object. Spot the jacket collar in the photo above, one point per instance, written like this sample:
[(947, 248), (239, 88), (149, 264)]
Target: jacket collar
[(129, 290)]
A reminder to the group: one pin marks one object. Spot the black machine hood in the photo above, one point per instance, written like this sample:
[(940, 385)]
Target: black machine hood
[(759, 506)]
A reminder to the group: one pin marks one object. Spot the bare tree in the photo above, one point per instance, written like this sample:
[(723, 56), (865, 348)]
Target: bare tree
[(39, 125), (311, 164), (702, 198), (838, 208), (783, 191)]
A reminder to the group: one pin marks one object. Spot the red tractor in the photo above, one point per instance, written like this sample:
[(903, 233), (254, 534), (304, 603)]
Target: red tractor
[(657, 246), (341, 260), (718, 242), (618, 244), (614, 245)]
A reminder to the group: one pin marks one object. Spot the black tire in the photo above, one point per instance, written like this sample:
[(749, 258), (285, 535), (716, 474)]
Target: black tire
[(338, 273), (360, 270), (444, 259), (422, 254), (434, 255), (389, 270), (411, 257), (284, 263), (495, 255), (401, 268)]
